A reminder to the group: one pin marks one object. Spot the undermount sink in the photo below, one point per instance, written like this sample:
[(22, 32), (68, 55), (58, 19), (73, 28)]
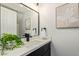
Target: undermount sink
[(40, 38), (33, 41)]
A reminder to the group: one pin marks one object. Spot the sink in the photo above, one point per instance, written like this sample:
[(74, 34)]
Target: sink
[(40, 38), (32, 43)]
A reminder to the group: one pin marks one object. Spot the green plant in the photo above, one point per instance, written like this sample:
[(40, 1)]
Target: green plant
[(6, 37), (17, 39)]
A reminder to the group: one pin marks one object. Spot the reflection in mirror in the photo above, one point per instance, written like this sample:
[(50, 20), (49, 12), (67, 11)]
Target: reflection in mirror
[(26, 19), (29, 22)]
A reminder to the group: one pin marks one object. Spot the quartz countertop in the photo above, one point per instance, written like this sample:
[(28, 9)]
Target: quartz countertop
[(28, 47)]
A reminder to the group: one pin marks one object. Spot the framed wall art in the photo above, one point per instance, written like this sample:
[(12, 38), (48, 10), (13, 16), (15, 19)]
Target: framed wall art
[(67, 16)]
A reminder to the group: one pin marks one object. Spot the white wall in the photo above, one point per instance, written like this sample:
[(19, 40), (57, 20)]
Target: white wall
[(64, 41), (44, 11)]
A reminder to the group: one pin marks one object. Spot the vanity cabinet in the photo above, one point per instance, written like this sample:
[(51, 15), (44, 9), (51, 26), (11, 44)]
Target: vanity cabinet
[(42, 51)]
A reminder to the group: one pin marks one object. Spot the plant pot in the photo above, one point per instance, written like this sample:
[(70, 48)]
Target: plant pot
[(10, 44)]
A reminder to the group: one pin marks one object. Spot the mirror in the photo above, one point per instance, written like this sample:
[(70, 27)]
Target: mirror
[(27, 18)]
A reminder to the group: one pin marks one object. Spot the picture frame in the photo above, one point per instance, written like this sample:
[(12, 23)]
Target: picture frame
[(67, 16), (28, 24)]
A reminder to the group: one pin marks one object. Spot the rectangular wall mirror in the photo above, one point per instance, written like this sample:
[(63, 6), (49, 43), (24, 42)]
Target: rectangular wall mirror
[(19, 19)]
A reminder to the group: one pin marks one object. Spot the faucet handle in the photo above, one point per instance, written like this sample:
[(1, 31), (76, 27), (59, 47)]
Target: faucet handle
[(35, 29), (43, 29)]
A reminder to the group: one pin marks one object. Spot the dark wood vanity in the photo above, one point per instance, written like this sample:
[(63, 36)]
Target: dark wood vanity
[(42, 51)]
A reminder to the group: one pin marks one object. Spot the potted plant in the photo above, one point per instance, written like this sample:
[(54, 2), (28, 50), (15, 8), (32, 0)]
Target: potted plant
[(10, 41)]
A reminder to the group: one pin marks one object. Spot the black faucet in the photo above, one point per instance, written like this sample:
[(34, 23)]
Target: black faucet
[(27, 36)]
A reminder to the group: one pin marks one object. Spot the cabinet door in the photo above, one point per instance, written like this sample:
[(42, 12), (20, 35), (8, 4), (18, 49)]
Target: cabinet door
[(8, 21), (43, 51)]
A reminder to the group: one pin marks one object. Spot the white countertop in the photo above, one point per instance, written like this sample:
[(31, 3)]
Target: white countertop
[(28, 47)]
